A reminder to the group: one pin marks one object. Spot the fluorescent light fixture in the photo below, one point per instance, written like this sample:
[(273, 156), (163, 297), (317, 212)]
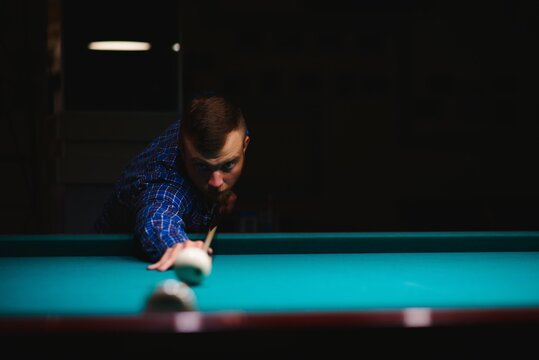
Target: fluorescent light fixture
[(176, 47), (119, 46)]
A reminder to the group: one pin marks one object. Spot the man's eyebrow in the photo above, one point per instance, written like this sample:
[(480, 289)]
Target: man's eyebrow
[(232, 159)]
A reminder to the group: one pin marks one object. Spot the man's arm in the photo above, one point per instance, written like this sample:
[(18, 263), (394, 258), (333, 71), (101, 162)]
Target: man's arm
[(160, 227)]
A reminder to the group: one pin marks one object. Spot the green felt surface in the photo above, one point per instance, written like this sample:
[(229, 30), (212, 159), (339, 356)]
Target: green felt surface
[(118, 285)]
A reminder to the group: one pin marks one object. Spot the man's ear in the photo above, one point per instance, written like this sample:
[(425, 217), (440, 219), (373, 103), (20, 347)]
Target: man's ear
[(246, 142)]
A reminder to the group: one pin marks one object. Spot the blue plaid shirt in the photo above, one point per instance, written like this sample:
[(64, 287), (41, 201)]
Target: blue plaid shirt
[(154, 198)]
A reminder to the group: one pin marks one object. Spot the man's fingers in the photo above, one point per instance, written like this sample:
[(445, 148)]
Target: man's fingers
[(167, 264), (196, 243), (160, 261), (199, 244), (167, 259), (169, 256)]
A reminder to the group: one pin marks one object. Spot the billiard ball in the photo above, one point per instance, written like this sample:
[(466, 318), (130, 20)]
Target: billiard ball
[(171, 295), (192, 265)]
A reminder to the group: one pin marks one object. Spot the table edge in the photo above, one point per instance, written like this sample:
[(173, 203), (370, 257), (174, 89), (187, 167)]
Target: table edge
[(199, 322)]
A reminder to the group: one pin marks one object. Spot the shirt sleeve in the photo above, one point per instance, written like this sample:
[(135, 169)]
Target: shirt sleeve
[(160, 218)]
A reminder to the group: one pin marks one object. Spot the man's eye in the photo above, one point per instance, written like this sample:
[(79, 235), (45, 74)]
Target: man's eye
[(228, 165), (202, 167)]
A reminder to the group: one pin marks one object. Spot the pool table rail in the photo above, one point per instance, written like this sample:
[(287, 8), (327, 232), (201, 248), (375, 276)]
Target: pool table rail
[(200, 322), (281, 243)]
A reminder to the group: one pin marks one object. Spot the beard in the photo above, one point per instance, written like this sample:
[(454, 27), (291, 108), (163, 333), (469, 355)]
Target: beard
[(219, 197)]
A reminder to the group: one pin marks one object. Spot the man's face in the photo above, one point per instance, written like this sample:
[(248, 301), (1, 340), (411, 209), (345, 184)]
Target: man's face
[(216, 176)]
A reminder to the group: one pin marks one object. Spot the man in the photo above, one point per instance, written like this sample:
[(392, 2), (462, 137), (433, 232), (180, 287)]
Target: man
[(181, 182)]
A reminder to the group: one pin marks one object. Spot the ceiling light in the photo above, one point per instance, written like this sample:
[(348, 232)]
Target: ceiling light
[(119, 46)]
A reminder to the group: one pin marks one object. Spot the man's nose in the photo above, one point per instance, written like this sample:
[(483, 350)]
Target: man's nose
[(216, 179)]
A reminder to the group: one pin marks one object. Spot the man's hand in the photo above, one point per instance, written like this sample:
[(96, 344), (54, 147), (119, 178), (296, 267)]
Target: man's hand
[(168, 258)]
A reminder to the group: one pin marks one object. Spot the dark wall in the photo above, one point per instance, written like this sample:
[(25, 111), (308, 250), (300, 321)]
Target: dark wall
[(23, 106), (120, 81), (379, 115), (364, 115)]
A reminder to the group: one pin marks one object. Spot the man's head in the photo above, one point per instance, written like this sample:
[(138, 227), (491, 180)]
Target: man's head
[(213, 142)]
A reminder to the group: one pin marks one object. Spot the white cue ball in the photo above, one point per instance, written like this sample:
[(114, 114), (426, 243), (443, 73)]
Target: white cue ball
[(192, 265)]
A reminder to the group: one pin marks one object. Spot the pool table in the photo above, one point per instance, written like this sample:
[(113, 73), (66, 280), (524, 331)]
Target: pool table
[(293, 288)]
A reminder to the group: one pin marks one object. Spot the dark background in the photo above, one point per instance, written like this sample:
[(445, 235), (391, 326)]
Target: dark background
[(364, 115)]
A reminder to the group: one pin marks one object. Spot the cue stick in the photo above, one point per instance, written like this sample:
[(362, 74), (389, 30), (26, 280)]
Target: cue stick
[(209, 238)]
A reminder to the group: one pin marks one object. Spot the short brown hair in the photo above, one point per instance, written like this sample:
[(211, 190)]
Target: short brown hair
[(207, 121)]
